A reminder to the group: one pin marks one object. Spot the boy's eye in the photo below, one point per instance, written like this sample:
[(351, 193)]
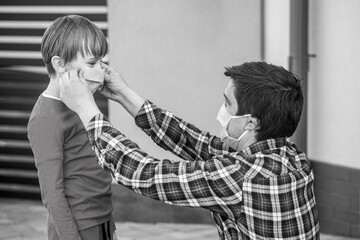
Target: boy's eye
[(92, 63)]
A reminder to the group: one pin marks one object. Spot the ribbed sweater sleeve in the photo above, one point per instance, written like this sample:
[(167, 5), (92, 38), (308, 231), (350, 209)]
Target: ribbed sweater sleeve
[(46, 138)]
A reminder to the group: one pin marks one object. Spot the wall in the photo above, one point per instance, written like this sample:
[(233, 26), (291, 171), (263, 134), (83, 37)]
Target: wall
[(334, 82), (277, 32), (334, 100), (333, 87), (174, 53), (333, 77)]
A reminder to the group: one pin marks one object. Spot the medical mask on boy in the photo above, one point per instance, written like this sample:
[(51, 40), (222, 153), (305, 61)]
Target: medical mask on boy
[(224, 118), (94, 78)]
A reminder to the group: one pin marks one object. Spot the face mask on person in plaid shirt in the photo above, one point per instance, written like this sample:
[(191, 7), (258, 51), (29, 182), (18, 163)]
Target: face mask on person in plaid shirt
[(224, 118)]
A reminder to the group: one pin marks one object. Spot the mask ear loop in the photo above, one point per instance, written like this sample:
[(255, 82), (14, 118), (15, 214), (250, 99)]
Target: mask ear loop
[(242, 135), (246, 131)]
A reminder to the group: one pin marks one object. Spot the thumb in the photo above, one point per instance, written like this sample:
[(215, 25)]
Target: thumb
[(73, 75), (82, 76)]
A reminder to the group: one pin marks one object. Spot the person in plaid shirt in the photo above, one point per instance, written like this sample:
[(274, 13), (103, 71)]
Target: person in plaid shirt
[(254, 180)]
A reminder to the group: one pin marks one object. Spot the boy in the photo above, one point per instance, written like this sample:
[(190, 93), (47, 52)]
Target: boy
[(75, 191)]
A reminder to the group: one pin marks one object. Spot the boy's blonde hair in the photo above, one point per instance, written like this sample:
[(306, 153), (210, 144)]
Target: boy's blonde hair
[(71, 34)]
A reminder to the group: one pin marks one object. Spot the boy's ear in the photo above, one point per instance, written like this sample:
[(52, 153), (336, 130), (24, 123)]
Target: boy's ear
[(58, 64)]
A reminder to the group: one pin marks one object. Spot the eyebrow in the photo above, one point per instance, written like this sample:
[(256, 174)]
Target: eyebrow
[(93, 59)]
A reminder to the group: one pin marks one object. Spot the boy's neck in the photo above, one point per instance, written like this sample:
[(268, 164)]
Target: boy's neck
[(53, 88)]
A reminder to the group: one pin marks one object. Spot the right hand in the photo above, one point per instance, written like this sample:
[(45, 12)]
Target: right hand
[(114, 84), (76, 95), (115, 88)]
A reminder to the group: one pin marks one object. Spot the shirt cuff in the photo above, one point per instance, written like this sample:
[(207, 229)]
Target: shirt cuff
[(147, 116), (96, 127)]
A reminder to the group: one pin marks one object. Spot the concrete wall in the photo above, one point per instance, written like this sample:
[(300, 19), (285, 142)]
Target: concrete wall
[(174, 53), (276, 33), (334, 82), (333, 101), (333, 134)]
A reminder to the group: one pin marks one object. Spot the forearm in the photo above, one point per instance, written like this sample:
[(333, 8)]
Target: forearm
[(86, 115), (53, 197), (46, 139), (130, 100), (61, 217), (181, 183), (174, 134)]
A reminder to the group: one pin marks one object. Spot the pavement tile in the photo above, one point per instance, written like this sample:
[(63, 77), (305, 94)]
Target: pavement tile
[(26, 220)]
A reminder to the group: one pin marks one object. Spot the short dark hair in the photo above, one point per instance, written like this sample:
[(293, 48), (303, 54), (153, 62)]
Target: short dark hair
[(271, 94), (71, 34)]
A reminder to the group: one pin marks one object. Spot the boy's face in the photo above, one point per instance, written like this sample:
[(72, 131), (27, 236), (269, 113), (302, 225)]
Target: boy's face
[(91, 67)]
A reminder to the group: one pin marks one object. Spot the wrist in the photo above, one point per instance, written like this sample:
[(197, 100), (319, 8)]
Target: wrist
[(87, 114), (123, 95), (131, 101)]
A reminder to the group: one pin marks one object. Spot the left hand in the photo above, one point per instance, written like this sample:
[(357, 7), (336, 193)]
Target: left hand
[(77, 96)]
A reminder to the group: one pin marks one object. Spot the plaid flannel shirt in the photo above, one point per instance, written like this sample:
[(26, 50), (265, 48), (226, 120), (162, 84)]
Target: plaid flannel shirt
[(262, 192)]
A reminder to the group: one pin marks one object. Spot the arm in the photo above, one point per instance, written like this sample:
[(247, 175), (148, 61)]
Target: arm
[(165, 129), (175, 135), (214, 184), (168, 131), (46, 143)]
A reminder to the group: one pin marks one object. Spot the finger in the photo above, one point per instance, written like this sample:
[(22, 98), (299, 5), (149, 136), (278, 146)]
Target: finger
[(73, 75), (82, 76), (104, 65), (107, 68), (102, 87)]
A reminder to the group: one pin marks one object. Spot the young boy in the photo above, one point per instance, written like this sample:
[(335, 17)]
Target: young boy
[(75, 191)]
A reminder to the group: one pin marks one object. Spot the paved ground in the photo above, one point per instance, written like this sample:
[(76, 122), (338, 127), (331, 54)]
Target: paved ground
[(25, 220)]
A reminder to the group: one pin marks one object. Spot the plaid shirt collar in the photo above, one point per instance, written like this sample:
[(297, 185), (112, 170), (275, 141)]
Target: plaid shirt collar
[(265, 145)]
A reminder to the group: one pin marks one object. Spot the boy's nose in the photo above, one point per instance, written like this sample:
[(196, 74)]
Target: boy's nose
[(97, 66)]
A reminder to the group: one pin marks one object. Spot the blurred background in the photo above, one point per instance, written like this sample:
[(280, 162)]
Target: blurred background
[(174, 54)]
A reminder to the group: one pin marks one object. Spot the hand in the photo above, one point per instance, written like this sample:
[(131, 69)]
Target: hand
[(117, 89), (76, 95), (114, 84)]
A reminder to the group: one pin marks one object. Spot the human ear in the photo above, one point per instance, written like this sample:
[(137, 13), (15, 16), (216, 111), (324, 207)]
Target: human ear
[(253, 124), (58, 64)]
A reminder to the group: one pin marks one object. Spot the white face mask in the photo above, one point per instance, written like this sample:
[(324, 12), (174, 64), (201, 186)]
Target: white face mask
[(94, 78), (224, 118)]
